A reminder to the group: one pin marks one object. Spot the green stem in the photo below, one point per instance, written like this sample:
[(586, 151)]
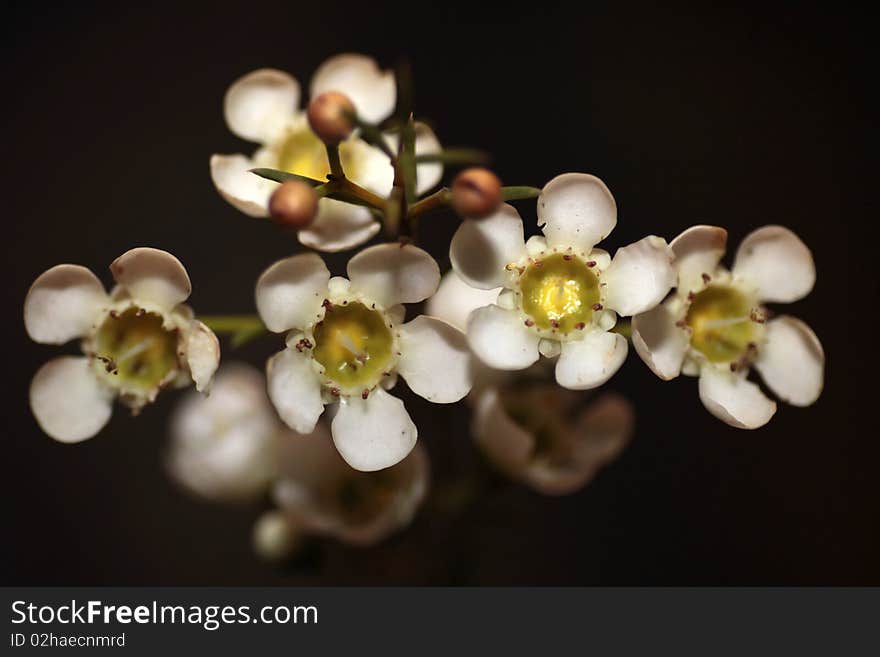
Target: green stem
[(439, 199), (242, 328), (521, 192)]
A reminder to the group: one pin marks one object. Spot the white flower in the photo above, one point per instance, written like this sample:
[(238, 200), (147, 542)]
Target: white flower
[(716, 327), (348, 342), (561, 294), (263, 107), (225, 447), (544, 437), (320, 494), (136, 340)]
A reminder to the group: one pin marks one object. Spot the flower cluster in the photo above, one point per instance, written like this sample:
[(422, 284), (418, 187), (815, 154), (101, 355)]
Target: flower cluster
[(339, 170)]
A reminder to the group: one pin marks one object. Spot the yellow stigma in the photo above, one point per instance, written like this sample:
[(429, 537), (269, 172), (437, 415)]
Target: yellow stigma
[(721, 322), (354, 345), (304, 154), (559, 292), (134, 350)]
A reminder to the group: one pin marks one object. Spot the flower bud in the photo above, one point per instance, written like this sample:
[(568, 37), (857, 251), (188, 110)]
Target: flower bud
[(294, 204), (330, 116), (476, 193)]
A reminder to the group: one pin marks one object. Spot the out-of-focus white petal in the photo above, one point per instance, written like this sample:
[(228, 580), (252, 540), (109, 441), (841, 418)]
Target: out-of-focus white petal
[(394, 273), (63, 303), (576, 209), (290, 292), (339, 226), (276, 536), (258, 104), (152, 276), (295, 390), (246, 191), (640, 275), (698, 250), (374, 433), (223, 446), (659, 342), (372, 90), (69, 402), (202, 355), (591, 361), (434, 360), (455, 300), (500, 338), (481, 248), (598, 437), (792, 362), (506, 443), (733, 399), (776, 261)]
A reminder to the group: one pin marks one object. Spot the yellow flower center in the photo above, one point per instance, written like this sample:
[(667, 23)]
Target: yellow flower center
[(135, 350), (304, 154), (722, 321), (559, 292), (354, 345)]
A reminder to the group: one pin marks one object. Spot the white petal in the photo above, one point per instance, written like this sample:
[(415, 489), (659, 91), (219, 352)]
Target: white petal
[(482, 248), (501, 339), (434, 360), (506, 443), (698, 250), (290, 292), (202, 355), (576, 209), (455, 300), (69, 402), (775, 260), (372, 90), (246, 191), (367, 166), (659, 342), (373, 433), (295, 390), (338, 227), (152, 276), (591, 361), (792, 362), (733, 399), (640, 275), (62, 304), (257, 105), (394, 273)]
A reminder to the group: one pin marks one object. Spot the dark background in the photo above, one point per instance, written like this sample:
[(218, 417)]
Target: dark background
[(691, 114)]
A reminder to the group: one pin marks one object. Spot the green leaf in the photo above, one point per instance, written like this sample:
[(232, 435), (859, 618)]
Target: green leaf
[(455, 156), (284, 176), (518, 193)]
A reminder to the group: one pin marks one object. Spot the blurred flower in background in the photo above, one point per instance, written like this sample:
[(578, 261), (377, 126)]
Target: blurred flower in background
[(551, 439), (715, 325), (232, 447), (137, 340), (264, 107), (321, 494), (226, 447)]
